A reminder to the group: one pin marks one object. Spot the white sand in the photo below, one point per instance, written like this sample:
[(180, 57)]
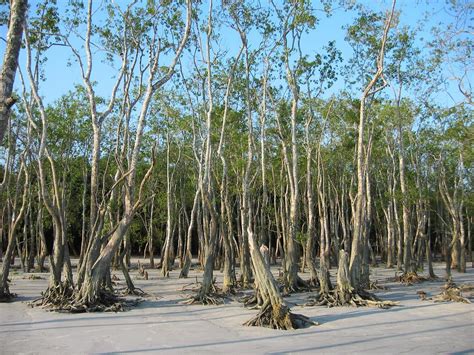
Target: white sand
[(161, 324)]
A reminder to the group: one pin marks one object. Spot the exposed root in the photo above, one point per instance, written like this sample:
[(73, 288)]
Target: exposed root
[(55, 298), (451, 293), (213, 297), (136, 291), (248, 299), (299, 285), (374, 285), (251, 301), (322, 299), (410, 278), (466, 287), (344, 294), (62, 298), (279, 318), (337, 298)]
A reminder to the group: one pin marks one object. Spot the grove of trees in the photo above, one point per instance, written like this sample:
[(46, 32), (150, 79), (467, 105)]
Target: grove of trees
[(221, 134)]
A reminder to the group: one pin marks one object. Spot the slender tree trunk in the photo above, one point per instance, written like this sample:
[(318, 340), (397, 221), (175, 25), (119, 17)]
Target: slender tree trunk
[(18, 11), (355, 265), (188, 256), (407, 236), (151, 245), (17, 215)]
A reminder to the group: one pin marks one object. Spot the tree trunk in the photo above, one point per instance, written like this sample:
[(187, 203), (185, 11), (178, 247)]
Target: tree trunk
[(17, 215), (358, 218), (275, 313), (18, 11)]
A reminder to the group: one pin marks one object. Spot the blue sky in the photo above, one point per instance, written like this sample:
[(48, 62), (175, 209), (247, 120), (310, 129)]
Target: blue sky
[(61, 78)]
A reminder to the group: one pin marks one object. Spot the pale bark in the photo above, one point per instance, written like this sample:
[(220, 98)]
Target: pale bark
[(17, 212), (99, 264), (18, 12), (355, 265)]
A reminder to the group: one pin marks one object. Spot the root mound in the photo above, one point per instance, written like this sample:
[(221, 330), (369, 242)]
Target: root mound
[(136, 291), (344, 294), (451, 293), (410, 278), (210, 299), (338, 298), (213, 298), (62, 298), (279, 318)]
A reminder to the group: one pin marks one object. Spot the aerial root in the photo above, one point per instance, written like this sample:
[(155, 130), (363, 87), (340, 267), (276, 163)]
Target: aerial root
[(62, 298), (279, 317), (361, 298), (451, 293)]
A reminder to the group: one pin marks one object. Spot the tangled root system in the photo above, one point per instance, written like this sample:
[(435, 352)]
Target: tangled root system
[(279, 317), (451, 293), (206, 300), (249, 301), (338, 298), (410, 278), (346, 295), (136, 291), (213, 297), (62, 298)]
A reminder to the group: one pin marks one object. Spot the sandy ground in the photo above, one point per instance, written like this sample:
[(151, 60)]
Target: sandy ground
[(161, 324)]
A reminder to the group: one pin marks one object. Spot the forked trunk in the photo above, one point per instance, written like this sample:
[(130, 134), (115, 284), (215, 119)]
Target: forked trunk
[(275, 313)]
